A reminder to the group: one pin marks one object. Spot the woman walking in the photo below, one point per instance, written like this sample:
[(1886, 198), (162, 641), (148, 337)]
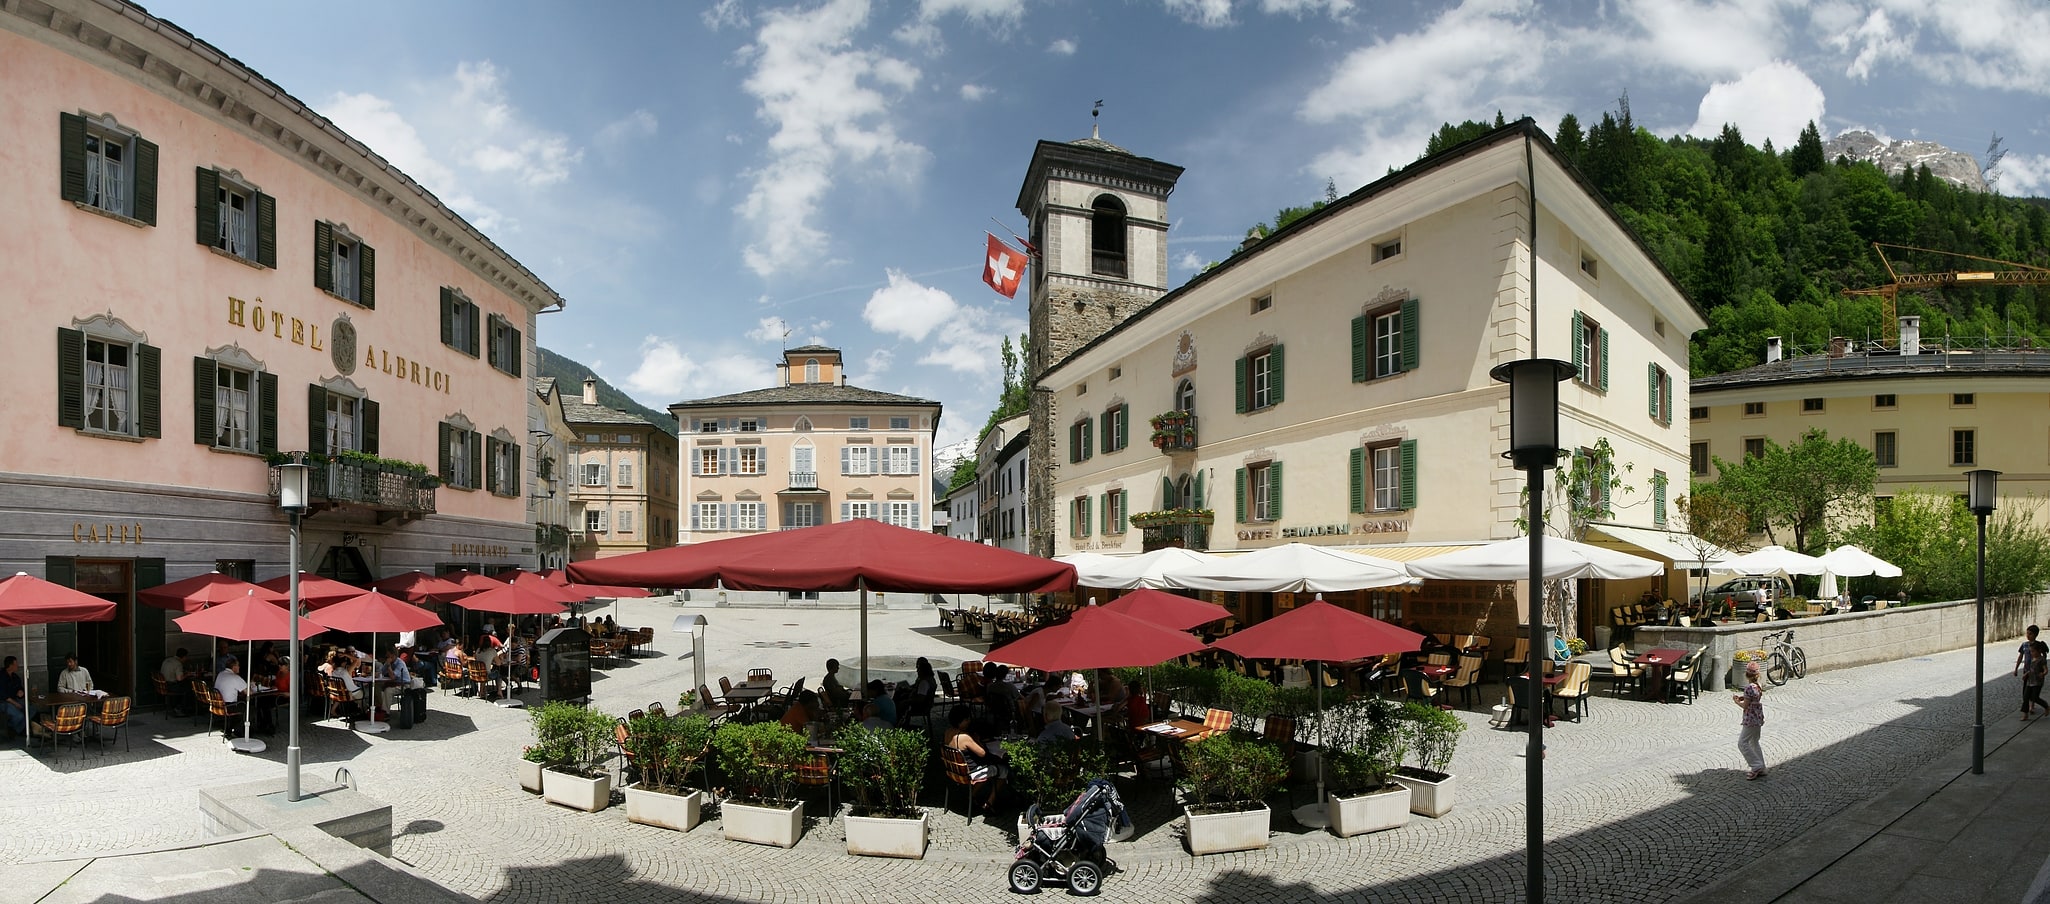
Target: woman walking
[(2029, 663), (1752, 699)]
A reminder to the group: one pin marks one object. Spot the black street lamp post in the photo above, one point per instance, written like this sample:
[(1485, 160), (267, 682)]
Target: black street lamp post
[(293, 477), (1983, 492)]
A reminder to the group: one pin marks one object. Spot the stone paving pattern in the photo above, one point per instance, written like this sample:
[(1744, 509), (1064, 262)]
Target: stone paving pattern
[(1644, 802)]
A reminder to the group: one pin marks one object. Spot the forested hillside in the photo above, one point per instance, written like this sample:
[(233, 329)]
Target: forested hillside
[(1766, 241), (569, 378)]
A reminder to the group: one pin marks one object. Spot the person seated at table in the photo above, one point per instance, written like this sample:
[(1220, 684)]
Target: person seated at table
[(832, 691), (235, 689), (925, 686), (1054, 727), (1041, 694), (984, 762), (803, 716), (74, 679), (1138, 711), (1112, 691), (394, 670), (1002, 698), (13, 696), (872, 717), (176, 677), (881, 698)]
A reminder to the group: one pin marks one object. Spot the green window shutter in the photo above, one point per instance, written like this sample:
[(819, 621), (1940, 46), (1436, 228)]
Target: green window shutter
[(1074, 440), (1362, 358), (266, 413), (203, 401), (1202, 499), (1274, 492), (1108, 432), (324, 257), (1602, 340), (1652, 372), (519, 351), (1084, 515), (448, 318), (1104, 517), (474, 315), (206, 206), (517, 479), (1412, 335), (1274, 371), (61, 570), (1579, 352), (70, 378), (1658, 497), (1167, 500), (71, 153), (149, 389), (149, 573), (1665, 398), (368, 418), (316, 419), (1242, 496), (1407, 453), (1240, 368), (366, 275), (146, 181), (1356, 466), (491, 343), (1124, 425), (490, 463), (266, 230), (445, 463), (476, 459)]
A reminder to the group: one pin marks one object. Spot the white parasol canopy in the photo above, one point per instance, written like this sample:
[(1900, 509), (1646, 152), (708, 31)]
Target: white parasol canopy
[(1852, 562), (1509, 560), (1292, 568), (1773, 560), (1146, 570)]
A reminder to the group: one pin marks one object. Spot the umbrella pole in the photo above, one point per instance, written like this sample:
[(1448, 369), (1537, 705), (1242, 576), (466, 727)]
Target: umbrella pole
[(245, 743), (861, 583), (370, 696), (24, 680), (1100, 712)]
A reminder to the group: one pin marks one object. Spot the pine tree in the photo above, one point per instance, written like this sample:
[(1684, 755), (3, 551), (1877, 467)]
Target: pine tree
[(1572, 144), (1807, 152)]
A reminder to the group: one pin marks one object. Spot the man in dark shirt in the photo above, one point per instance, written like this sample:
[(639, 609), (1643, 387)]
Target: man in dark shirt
[(12, 702)]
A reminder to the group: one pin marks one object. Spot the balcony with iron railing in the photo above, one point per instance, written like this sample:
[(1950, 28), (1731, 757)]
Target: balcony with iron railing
[(1186, 528), (1174, 432), (804, 480), (394, 492)]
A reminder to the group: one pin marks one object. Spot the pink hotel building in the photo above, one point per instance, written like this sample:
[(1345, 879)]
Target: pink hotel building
[(201, 272)]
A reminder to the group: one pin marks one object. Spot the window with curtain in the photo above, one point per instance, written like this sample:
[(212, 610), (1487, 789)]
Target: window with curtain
[(108, 396), (234, 409)]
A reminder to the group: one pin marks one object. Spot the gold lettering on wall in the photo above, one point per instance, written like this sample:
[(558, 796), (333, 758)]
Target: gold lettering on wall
[(298, 331), (251, 314), (82, 532), (237, 316)]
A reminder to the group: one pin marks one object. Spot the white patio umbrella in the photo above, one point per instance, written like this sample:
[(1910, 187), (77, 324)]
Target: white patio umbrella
[(1089, 567), (1509, 560), (1153, 570), (1851, 562), (1773, 560), (1292, 568)]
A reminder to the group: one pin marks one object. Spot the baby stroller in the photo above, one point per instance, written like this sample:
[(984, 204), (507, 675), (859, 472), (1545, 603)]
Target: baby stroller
[(1068, 848)]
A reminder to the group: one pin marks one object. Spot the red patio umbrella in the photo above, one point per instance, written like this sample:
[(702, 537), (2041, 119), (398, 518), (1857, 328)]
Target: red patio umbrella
[(200, 591), (1167, 609), (559, 578), (420, 587), (1322, 633), (469, 580), (541, 587), (511, 599), (314, 590), (27, 600), (247, 619), (862, 554), (1096, 638), (374, 613)]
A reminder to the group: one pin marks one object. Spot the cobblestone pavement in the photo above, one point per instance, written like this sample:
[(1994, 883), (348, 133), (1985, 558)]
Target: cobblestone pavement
[(1644, 802)]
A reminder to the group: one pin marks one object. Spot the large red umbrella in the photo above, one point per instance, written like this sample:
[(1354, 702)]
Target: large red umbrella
[(1320, 632), (27, 600), (541, 587), (374, 613), (511, 599), (420, 587), (862, 554), (315, 590), (247, 619), (200, 591), (469, 580), (1167, 609), (560, 578), (1096, 638)]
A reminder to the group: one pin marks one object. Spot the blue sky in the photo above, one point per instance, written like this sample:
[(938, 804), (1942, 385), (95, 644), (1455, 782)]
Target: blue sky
[(700, 178)]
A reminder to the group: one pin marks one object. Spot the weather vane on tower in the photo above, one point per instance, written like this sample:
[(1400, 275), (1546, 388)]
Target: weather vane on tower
[(1094, 130)]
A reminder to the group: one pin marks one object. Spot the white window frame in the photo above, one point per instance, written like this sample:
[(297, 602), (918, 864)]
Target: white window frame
[(857, 423), (109, 183), (707, 516), (862, 509), (803, 514), (1388, 343), (897, 460), (625, 522), (1259, 372), (235, 412), (708, 461), (109, 388), (508, 471), (624, 473), (343, 267), (344, 423), (1590, 341), (1257, 485), (900, 423), (237, 232), (459, 458), (811, 370), (861, 459), (708, 425), (750, 425), (1386, 474), (899, 514), (593, 474), (750, 460)]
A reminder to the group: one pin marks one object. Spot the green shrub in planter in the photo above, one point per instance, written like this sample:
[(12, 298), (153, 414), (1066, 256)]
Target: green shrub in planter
[(666, 750), (885, 770), (591, 747), (760, 759), (1055, 773), (556, 725), (1434, 734), (1228, 773), (1246, 697), (1365, 742)]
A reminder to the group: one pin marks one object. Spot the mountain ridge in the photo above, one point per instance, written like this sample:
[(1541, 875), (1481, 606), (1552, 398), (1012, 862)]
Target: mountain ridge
[(569, 377)]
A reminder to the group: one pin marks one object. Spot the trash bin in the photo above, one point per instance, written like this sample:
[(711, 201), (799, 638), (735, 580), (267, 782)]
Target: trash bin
[(1716, 668), (1601, 636)]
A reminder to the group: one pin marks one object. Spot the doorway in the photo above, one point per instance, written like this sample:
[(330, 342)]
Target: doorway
[(106, 649), (345, 564)]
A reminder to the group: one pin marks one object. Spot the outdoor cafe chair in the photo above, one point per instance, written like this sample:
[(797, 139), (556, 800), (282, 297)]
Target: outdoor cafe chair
[(113, 716), (451, 674), (67, 720), (714, 708), (622, 747), (754, 675), (1573, 690), (339, 701), (1467, 678), (479, 678), (1683, 683), (1217, 720), (197, 687), (657, 709), (1623, 675), (947, 694), (958, 773), (816, 771), (1418, 689), (217, 707)]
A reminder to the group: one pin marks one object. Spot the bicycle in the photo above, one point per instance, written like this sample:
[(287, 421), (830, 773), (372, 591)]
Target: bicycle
[(1784, 658)]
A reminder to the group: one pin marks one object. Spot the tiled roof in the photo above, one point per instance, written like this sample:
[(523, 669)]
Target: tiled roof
[(1823, 369), (543, 385), (575, 411), (811, 348), (1099, 144), (806, 394)]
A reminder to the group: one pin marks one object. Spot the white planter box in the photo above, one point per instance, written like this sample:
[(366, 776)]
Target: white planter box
[(530, 776), (870, 836), (575, 791), (662, 809), (1428, 798), (754, 824), (1217, 833), (1370, 812)]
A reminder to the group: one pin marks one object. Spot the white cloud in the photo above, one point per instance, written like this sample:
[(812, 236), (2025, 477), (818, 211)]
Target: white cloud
[(668, 374), (725, 14), (532, 155), (373, 121), (973, 92), (1715, 38), (878, 362), (1876, 42), (904, 307), (1982, 43), (778, 330), (827, 103), (1206, 13), (1336, 9), (920, 34), (969, 343), (2024, 175), (1190, 260), (633, 126), (1773, 101), (1062, 47), (987, 12)]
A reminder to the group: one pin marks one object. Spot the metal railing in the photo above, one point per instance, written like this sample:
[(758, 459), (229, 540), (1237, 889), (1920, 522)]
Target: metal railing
[(357, 483), (804, 480)]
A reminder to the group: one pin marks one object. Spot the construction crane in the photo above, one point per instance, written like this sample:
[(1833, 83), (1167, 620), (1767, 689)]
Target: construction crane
[(2020, 275)]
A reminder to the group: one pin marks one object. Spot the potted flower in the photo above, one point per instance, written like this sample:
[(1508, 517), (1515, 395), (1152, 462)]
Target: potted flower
[(666, 750), (884, 771), (760, 760), (1433, 735), (555, 725), (583, 783), (1366, 742), (1228, 781)]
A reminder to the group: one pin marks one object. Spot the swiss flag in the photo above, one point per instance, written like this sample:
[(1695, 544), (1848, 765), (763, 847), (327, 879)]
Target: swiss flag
[(1004, 268)]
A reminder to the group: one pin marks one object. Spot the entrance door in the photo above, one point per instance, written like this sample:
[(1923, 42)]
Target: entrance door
[(106, 649), (345, 564)]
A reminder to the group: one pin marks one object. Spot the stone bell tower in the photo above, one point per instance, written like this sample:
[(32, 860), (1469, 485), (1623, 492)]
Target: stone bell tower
[(1099, 225)]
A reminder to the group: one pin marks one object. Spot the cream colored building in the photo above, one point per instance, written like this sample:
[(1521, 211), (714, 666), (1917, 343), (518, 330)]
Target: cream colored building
[(1928, 414), (552, 505), (810, 450), (623, 472)]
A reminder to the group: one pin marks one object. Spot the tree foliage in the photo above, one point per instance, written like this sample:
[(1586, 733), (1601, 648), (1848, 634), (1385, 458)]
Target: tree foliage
[(1934, 539), (1802, 488)]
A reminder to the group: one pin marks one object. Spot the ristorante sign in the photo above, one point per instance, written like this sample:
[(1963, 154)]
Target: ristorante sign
[(275, 323)]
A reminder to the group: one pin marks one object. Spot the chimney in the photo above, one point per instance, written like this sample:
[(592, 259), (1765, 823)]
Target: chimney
[(843, 376), (1772, 349), (1911, 335), (590, 390), (1838, 345)]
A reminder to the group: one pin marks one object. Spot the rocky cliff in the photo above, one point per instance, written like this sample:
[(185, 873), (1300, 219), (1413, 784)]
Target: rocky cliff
[(1955, 167)]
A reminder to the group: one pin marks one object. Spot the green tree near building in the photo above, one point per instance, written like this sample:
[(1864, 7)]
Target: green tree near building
[(1013, 400), (1801, 489), (1934, 539)]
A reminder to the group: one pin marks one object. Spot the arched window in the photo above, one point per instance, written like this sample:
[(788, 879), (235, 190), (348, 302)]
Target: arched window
[(1107, 237), (1185, 396), (811, 370), (803, 424)]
